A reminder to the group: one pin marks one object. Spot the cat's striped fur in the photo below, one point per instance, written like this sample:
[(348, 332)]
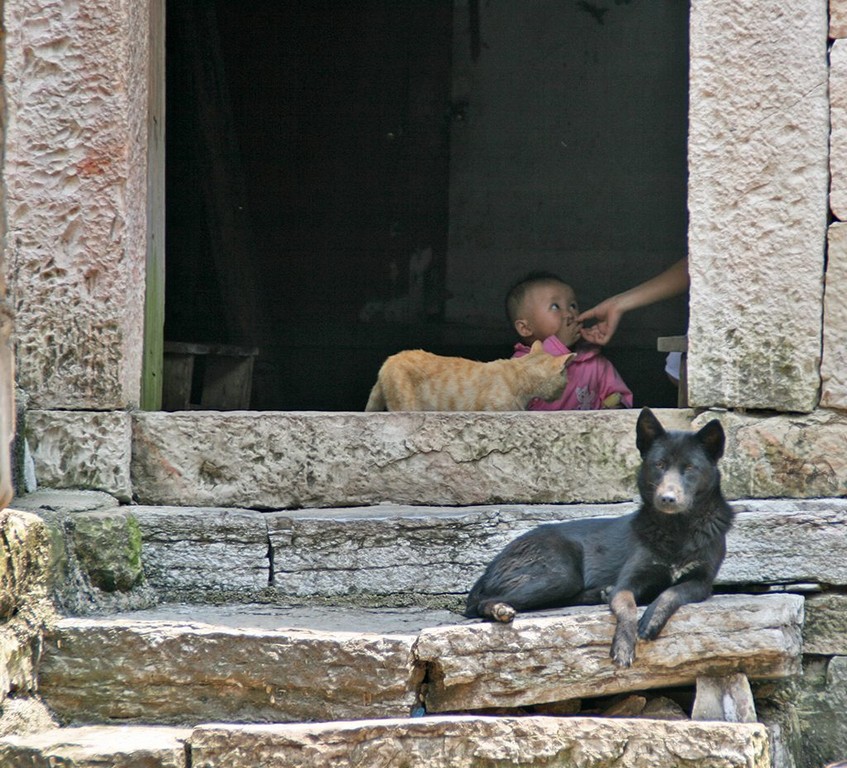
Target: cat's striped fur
[(415, 380)]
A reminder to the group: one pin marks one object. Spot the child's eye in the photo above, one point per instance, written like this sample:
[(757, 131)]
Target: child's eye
[(554, 305), (575, 307)]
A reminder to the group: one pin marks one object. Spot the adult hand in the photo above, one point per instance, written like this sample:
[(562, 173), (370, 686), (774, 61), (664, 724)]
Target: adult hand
[(608, 315)]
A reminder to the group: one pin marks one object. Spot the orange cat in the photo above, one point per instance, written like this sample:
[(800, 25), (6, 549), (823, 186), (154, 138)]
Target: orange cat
[(415, 380)]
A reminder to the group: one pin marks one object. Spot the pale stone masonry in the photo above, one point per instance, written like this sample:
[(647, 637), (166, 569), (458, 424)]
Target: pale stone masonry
[(76, 177), (757, 149)]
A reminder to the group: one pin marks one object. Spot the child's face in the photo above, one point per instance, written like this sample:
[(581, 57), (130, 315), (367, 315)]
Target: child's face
[(549, 309)]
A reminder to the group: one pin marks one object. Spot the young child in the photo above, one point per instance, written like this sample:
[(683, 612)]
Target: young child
[(544, 308)]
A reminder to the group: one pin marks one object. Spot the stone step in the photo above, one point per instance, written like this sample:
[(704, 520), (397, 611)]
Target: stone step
[(186, 664), (429, 742), (391, 554)]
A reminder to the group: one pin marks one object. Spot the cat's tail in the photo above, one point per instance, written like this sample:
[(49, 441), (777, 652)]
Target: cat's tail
[(376, 402)]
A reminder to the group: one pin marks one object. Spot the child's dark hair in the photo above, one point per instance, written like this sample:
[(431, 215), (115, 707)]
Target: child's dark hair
[(515, 294)]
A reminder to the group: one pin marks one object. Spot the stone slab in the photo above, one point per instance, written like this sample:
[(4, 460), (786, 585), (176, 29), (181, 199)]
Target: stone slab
[(791, 455), (291, 460), (209, 553), (474, 742), (394, 550), (825, 628), (97, 746), (545, 659), (186, 673), (82, 450), (398, 554), (834, 359), (757, 199)]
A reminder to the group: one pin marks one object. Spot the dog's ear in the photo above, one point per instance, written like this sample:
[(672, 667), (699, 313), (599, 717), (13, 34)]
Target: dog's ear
[(647, 429), (713, 439)]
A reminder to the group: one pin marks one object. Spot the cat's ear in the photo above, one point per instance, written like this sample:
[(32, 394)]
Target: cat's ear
[(568, 359), (536, 347)]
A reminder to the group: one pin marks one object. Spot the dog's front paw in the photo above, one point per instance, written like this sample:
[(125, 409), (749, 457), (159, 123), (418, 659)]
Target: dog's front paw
[(503, 612), (622, 653), (648, 629)]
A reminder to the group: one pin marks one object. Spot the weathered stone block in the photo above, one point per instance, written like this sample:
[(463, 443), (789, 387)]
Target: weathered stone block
[(107, 545), (726, 698), (403, 552), (24, 607), (75, 173), (799, 456), (834, 361), (825, 629), (787, 542), (90, 746), (284, 460), (837, 18), (82, 450), (178, 673), (473, 742), (566, 657), (758, 182), (838, 131), (207, 554)]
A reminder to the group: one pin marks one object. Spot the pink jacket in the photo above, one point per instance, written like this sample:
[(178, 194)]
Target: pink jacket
[(591, 379)]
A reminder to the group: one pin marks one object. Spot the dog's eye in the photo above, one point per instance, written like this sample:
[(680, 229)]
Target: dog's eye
[(660, 464), (687, 467)]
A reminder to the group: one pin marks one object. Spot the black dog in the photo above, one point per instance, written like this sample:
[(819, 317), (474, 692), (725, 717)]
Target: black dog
[(666, 554)]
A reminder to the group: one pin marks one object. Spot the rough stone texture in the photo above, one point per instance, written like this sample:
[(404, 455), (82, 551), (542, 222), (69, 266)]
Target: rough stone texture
[(24, 715), (468, 742), (785, 542), (178, 673), (727, 698), (107, 544), (290, 460), (825, 628), (76, 176), (283, 460), (821, 710), (97, 746), (395, 555), (566, 657), (24, 607), (95, 546), (800, 456), (834, 361), (758, 181), (838, 131), (416, 552), (206, 553), (82, 450), (837, 18)]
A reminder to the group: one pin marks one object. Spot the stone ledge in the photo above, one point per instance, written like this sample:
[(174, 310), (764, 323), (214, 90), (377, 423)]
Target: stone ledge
[(472, 742), (279, 668), (116, 747), (432, 742), (536, 660), (295, 460)]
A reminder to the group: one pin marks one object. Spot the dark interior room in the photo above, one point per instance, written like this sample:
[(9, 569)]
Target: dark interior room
[(347, 180)]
